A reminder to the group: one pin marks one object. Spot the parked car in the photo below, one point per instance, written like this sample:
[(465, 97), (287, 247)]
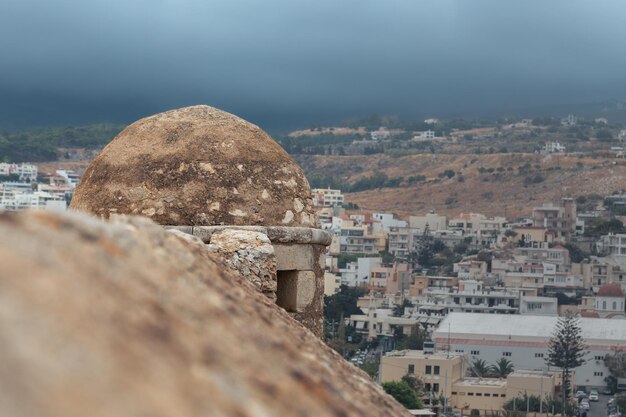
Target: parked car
[(607, 391), (581, 394), (584, 404), (593, 396)]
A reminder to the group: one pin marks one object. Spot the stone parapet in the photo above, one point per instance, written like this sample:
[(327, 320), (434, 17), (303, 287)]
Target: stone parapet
[(276, 234), (284, 263)]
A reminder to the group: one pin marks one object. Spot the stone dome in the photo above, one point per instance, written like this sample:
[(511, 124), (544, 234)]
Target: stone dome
[(196, 166)]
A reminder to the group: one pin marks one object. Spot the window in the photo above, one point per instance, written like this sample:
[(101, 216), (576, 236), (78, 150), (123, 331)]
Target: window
[(436, 370), (411, 369), (488, 395), (459, 350), (453, 392), (538, 355), (428, 370), (471, 394), (427, 387), (287, 290), (506, 353), (479, 394), (475, 352), (501, 395), (435, 387), (598, 374), (598, 357)]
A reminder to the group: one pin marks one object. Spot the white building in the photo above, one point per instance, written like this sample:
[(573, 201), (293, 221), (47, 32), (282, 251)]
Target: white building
[(433, 220), (609, 301), (388, 220), (523, 339), (15, 200), (71, 178), (553, 147), (327, 197), (613, 244), (570, 120), (26, 172), (429, 134), (358, 273), (539, 306)]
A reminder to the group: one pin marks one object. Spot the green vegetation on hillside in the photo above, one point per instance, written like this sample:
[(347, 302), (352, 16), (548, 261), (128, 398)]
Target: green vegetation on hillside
[(41, 144)]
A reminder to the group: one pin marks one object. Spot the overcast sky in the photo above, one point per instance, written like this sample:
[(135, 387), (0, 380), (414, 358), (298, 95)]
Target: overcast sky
[(286, 63)]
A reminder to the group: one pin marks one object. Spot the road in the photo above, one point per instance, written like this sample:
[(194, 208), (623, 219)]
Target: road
[(598, 409)]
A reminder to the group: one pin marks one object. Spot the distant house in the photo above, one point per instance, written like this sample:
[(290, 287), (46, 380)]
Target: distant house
[(553, 147), (570, 120)]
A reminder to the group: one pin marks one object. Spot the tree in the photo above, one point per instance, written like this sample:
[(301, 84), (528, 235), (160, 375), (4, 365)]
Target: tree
[(566, 350), (413, 341), (415, 383), (403, 393), (398, 310), (501, 368), (342, 304), (616, 363), (479, 368)]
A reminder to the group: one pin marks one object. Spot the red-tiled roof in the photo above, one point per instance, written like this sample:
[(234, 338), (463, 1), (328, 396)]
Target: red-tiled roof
[(611, 290)]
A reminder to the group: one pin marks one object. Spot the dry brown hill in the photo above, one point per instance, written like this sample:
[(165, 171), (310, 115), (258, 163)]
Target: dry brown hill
[(509, 184)]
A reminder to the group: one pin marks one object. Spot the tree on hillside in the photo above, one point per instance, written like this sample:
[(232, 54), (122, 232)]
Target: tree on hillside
[(501, 368), (403, 393), (566, 350)]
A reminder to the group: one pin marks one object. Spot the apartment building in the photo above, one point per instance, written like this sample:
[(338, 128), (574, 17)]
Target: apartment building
[(432, 221), (560, 219), (327, 197), (71, 178), (25, 172), (402, 241), (557, 255), (472, 297), (470, 269), (484, 229), (612, 244)]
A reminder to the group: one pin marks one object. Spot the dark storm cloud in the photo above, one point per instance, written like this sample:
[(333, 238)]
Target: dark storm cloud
[(286, 63)]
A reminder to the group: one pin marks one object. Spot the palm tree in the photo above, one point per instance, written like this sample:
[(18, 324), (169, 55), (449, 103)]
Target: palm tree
[(479, 368), (501, 368)]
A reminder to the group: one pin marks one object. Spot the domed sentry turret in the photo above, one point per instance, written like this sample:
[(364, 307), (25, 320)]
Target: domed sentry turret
[(196, 166), (210, 174)]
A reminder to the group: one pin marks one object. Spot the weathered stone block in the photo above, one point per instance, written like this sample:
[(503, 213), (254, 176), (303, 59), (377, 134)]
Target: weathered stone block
[(251, 254), (294, 257)]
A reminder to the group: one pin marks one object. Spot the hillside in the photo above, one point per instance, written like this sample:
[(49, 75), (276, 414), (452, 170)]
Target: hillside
[(493, 184), (52, 143)]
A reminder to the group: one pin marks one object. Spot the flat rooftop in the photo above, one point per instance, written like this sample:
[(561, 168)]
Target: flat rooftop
[(481, 326), (419, 354), (484, 382)]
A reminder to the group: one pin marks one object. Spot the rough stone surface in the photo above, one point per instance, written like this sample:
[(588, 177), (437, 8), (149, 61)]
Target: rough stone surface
[(276, 234), (196, 166), (127, 319), (249, 253)]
